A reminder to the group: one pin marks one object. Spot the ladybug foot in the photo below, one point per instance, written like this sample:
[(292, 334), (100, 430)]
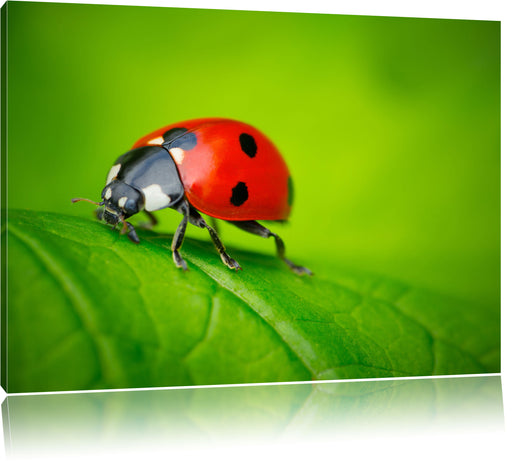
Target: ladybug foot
[(300, 270), (130, 232), (231, 263), (178, 260)]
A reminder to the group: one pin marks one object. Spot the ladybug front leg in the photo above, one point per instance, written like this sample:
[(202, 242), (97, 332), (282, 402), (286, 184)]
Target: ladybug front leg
[(179, 235), (197, 220), (254, 227), (132, 234)]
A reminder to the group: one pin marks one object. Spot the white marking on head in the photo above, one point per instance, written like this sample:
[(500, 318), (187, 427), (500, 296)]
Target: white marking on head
[(108, 193), (155, 198), (156, 141), (113, 173), (122, 201), (178, 155)]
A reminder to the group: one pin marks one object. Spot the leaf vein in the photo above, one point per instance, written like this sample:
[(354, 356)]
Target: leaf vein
[(71, 289), (266, 321)]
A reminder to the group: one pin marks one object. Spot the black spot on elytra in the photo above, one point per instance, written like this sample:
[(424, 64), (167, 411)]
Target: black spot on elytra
[(248, 144), (179, 137), (173, 133), (290, 191), (239, 194)]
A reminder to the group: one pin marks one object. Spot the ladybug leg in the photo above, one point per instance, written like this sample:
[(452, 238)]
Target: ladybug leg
[(197, 220), (132, 235), (254, 227), (215, 225), (129, 230), (179, 235)]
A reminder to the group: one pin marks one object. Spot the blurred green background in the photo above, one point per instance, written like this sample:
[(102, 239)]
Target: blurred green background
[(390, 126)]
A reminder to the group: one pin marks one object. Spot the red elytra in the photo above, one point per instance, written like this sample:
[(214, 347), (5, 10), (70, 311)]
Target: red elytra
[(217, 164)]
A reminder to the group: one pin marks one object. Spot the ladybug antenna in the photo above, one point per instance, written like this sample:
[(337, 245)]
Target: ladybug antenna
[(77, 199)]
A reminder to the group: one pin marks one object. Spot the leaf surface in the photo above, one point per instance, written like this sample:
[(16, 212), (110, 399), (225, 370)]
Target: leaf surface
[(89, 309)]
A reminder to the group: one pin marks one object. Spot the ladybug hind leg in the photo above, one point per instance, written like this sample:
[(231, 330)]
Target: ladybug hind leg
[(254, 227), (197, 220)]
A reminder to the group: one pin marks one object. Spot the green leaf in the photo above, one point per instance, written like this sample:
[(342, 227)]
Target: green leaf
[(89, 309)]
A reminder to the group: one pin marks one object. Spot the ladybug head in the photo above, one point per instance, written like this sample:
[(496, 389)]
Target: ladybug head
[(121, 201)]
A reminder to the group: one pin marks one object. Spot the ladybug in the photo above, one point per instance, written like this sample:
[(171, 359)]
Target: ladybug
[(221, 167)]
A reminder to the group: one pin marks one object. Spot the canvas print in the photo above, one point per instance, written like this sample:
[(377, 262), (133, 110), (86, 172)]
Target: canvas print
[(196, 197)]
